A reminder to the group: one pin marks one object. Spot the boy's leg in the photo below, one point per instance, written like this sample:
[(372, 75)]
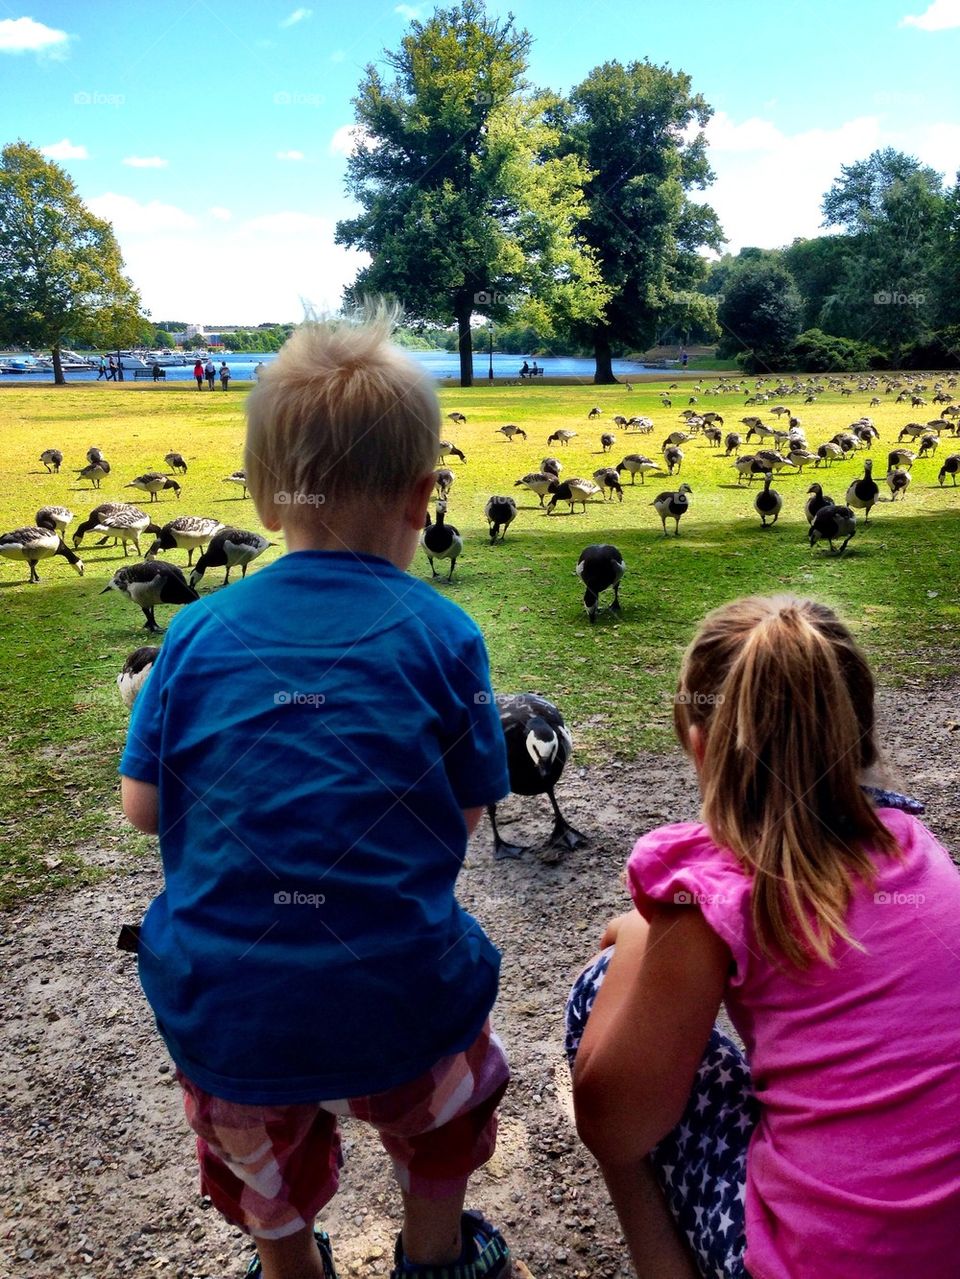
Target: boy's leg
[(431, 1228), (295, 1257)]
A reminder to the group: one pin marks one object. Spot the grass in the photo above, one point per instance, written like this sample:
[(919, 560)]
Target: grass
[(62, 642)]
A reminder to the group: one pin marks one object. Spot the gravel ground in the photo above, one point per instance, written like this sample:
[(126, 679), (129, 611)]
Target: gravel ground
[(97, 1173)]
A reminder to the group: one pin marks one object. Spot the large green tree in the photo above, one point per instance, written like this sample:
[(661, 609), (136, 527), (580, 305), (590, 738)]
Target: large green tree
[(467, 206), (632, 127), (760, 314), (61, 272)]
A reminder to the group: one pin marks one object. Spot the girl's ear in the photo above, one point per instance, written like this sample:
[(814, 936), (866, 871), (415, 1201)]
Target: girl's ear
[(698, 745)]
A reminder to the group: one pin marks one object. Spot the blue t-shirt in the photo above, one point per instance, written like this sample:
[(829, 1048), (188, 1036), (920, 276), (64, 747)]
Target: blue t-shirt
[(314, 732)]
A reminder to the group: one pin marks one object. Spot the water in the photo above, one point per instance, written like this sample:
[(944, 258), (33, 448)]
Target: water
[(440, 364)]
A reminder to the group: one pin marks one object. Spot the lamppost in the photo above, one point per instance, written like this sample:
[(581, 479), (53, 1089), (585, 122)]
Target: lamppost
[(490, 335)]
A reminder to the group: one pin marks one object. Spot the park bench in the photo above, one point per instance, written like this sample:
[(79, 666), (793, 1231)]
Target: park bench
[(535, 373), (138, 373)]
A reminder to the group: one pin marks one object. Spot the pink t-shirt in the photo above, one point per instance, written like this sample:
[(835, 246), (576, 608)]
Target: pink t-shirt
[(853, 1171)]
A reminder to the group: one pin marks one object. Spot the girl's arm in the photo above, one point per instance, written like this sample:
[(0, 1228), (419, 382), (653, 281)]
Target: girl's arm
[(140, 804)]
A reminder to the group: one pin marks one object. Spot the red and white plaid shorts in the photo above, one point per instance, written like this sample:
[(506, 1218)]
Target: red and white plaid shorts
[(270, 1169)]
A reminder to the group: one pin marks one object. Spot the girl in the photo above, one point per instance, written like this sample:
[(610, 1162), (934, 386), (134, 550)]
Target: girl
[(827, 919)]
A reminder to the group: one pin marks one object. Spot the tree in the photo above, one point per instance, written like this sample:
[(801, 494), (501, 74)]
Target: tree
[(466, 203), (759, 314), (630, 126), (858, 197), (818, 265), (61, 272)]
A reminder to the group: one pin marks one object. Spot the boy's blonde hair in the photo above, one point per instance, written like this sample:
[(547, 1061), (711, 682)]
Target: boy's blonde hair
[(785, 700), (340, 414)]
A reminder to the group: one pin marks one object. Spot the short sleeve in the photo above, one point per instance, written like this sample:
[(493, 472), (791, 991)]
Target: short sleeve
[(475, 756), (141, 756), (680, 865)]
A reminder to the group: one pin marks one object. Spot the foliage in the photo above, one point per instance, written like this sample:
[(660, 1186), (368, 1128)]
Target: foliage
[(817, 352), (61, 272), (263, 338), (817, 266), (759, 314), (859, 198), (939, 350)]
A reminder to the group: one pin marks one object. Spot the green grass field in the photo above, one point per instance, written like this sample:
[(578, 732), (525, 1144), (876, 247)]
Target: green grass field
[(62, 642)]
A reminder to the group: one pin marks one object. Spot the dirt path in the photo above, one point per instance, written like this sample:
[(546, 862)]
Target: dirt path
[(97, 1174)]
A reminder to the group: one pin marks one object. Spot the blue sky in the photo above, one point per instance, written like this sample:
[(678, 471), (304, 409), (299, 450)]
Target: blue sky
[(215, 137)]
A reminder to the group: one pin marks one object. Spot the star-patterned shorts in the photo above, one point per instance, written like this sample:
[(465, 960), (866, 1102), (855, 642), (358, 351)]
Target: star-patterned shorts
[(701, 1165)]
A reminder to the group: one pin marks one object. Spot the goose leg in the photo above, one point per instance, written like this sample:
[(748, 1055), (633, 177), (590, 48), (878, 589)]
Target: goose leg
[(34, 575), (151, 622), (563, 836), (501, 849)]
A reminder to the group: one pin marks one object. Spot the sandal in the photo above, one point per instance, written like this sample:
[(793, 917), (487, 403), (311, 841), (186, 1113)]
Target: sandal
[(485, 1255), (255, 1270)]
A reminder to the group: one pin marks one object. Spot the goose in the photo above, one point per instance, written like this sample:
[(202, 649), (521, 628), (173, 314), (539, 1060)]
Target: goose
[(52, 459), (732, 441), (55, 517), (816, 502), (510, 431), (619, 420), (828, 453), (846, 442), (538, 746), (637, 464), (643, 425), (913, 430), (676, 437), (607, 441), (500, 513), (750, 466), (443, 479), (712, 419), (552, 465), (149, 583), (153, 482), (119, 520), (951, 465), (713, 435), (800, 457), (600, 568), (188, 532), (94, 454), (573, 490), (608, 477), (674, 505), (901, 457), (928, 444), (899, 482), (238, 477), (445, 448), (594, 412), (866, 435), (94, 472), (136, 667), (830, 524), (441, 541), (673, 456), (176, 463), (863, 493), (562, 436), (96, 516), (458, 419), (31, 544), (772, 459), (768, 502), (537, 482), (779, 410), (228, 549)]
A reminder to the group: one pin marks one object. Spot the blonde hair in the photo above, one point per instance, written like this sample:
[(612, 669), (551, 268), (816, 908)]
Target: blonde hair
[(340, 414), (785, 701)]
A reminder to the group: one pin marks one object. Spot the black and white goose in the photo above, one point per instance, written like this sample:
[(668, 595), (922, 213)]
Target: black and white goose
[(445, 448), (443, 479), (94, 472), (537, 482), (673, 456), (149, 583), (768, 503), (951, 465), (800, 457), (573, 490), (830, 524), (229, 549), (594, 412), (772, 459), (187, 533), (608, 477), (828, 453), (237, 477), (458, 419), (928, 445), (674, 505), (538, 746), (441, 541), (863, 493), (510, 431), (94, 454), (176, 462), (55, 517), (713, 435), (600, 568), (52, 459), (32, 544), (816, 502), (607, 441), (749, 465), (136, 667), (552, 465), (154, 483), (898, 482), (119, 520), (732, 441), (500, 513), (563, 436), (637, 464)]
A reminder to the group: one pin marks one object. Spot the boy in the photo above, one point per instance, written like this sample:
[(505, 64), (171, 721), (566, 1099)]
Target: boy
[(314, 747)]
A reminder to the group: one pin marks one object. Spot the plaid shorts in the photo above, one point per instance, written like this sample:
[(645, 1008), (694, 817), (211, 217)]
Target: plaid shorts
[(270, 1169)]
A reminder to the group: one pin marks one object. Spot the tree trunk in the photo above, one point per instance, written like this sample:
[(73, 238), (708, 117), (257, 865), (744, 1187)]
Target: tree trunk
[(603, 375), (58, 378), (463, 310)]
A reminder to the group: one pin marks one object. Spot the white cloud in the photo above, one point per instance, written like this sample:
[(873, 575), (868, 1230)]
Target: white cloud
[(298, 15), (942, 15), (65, 150), (752, 135), (338, 55), (344, 141), (23, 35), (289, 155), (145, 162), (130, 217), (407, 11), (221, 214)]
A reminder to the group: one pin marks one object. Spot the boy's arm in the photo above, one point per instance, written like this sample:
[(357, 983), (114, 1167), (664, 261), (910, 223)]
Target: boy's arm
[(140, 804)]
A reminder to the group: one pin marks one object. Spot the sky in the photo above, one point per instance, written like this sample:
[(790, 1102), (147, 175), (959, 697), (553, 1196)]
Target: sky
[(215, 137)]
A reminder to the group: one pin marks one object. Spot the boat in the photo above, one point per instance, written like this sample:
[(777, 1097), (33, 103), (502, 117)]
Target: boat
[(130, 360), (70, 360)]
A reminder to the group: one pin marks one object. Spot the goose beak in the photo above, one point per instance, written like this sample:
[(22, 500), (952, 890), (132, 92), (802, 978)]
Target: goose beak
[(108, 587)]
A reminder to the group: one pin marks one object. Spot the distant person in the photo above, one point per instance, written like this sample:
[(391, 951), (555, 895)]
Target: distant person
[(535, 369), (102, 369), (224, 375), (210, 371), (157, 372), (258, 370), (112, 370), (524, 369), (684, 358), (198, 374)]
